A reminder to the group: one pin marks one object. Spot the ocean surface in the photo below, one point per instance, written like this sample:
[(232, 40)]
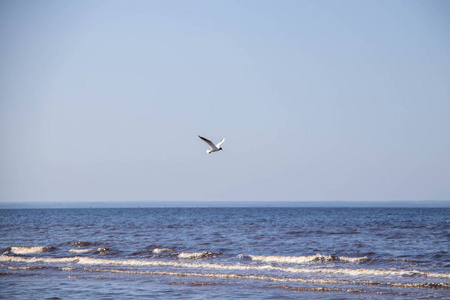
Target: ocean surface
[(225, 253)]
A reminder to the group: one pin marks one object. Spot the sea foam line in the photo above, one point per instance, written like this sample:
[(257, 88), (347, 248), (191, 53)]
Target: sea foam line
[(305, 259), (152, 263), (277, 279), (81, 250), (196, 255), (29, 250), (161, 250)]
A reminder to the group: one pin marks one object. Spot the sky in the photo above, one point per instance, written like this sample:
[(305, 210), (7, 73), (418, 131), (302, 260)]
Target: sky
[(316, 100)]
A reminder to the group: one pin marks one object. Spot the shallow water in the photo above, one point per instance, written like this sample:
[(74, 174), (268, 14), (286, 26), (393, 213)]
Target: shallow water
[(228, 253)]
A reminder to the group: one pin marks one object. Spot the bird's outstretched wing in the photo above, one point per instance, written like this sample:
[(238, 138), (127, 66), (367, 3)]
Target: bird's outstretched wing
[(211, 144), (220, 143)]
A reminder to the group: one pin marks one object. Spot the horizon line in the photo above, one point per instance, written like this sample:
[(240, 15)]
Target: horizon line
[(228, 204)]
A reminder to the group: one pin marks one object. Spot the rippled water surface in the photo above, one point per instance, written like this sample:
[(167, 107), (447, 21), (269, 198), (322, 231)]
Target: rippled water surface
[(228, 253)]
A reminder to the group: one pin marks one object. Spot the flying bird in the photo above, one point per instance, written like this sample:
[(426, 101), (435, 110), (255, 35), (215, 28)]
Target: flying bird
[(214, 148)]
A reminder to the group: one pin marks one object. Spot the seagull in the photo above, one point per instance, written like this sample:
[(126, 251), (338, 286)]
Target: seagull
[(214, 148)]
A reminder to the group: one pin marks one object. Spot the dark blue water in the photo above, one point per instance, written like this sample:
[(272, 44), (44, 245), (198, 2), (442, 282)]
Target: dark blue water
[(228, 253)]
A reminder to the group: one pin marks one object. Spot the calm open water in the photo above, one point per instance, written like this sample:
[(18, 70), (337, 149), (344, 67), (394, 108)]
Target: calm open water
[(227, 253)]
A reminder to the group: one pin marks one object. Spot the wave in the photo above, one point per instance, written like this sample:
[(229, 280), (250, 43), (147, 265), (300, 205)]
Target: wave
[(153, 263), (79, 251), (161, 250), (292, 259), (30, 250), (98, 250), (103, 250), (305, 259), (7, 258), (277, 278), (197, 255), (25, 267), (353, 259)]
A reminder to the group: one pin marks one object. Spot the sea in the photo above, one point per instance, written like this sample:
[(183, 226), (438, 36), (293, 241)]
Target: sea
[(225, 253)]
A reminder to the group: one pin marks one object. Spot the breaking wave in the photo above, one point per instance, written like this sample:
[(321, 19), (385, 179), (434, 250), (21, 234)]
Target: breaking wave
[(218, 266), (161, 250), (305, 259), (30, 250), (79, 251), (197, 255), (277, 278)]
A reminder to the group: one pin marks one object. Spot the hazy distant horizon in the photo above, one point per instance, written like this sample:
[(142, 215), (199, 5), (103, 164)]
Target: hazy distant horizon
[(229, 204)]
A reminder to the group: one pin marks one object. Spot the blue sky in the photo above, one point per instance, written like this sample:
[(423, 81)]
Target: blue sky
[(317, 100)]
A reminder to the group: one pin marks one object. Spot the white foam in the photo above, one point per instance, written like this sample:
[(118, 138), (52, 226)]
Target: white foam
[(293, 259), (78, 251), (103, 250), (28, 250), (304, 259), (196, 255), (277, 278), (25, 268), (36, 259), (151, 263), (353, 259), (160, 250)]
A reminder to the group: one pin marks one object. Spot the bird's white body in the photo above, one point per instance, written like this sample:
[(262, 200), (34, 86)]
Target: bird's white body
[(214, 148)]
